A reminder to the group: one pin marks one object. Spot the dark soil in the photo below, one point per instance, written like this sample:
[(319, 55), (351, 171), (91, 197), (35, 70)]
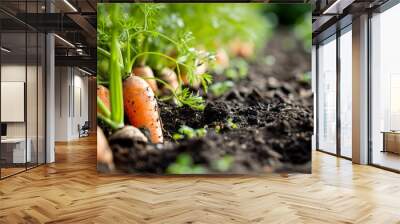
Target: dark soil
[(272, 112)]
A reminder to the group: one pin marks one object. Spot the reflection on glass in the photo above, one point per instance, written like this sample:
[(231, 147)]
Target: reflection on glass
[(346, 93), (327, 96), (385, 114)]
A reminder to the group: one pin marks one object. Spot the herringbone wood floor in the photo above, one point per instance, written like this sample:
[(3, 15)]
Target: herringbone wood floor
[(71, 191)]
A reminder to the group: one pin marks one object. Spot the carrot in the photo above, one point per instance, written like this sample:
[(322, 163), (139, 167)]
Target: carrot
[(222, 58), (241, 48), (104, 153), (146, 72), (141, 107), (247, 50), (170, 77), (103, 94)]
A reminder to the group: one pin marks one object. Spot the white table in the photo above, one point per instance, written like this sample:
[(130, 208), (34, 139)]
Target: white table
[(19, 155)]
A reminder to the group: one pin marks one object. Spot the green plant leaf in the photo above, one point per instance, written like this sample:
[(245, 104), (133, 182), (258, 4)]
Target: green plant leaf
[(219, 88), (184, 159), (224, 164)]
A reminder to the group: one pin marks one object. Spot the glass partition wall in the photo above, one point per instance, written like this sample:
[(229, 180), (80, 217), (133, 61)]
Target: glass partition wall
[(334, 105), (326, 60), (334, 94), (22, 97), (385, 89), (345, 61)]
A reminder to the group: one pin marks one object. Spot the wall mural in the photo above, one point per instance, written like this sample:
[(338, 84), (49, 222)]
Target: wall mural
[(204, 88)]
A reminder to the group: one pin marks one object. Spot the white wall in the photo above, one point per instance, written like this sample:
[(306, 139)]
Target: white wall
[(61, 103), (71, 94)]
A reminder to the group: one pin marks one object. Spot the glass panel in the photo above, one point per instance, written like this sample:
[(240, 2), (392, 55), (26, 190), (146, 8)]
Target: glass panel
[(32, 88), (385, 84), (13, 86), (327, 96), (346, 94), (22, 88), (314, 82), (31, 100), (41, 99)]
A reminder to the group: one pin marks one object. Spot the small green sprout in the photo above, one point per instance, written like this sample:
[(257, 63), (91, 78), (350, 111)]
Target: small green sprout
[(206, 79), (243, 67), (239, 69), (184, 165), (231, 124), (306, 77), (220, 88), (217, 129), (185, 97), (223, 164), (269, 60), (186, 132)]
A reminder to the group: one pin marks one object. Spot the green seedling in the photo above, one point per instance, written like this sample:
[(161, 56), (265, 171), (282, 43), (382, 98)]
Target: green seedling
[(184, 165), (186, 132), (218, 89), (223, 164), (269, 60), (231, 124), (306, 78), (217, 129), (238, 71)]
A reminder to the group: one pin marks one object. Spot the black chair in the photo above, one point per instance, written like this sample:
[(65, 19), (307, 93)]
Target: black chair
[(84, 130)]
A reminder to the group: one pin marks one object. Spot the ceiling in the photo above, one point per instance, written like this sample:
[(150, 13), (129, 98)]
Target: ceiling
[(72, 20), (328, 13)]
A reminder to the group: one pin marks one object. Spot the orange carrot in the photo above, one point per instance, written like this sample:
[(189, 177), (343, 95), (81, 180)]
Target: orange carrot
[(146, 72), (222, 58), (170, 77), (141, 107), (241, 48), (103, 94), (247, 50)]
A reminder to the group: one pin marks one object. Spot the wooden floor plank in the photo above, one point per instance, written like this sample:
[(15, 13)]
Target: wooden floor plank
[(71, 191)]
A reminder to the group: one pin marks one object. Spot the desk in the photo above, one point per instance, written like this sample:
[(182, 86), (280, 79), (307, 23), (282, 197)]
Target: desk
[(391, 141), (15, 148)]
